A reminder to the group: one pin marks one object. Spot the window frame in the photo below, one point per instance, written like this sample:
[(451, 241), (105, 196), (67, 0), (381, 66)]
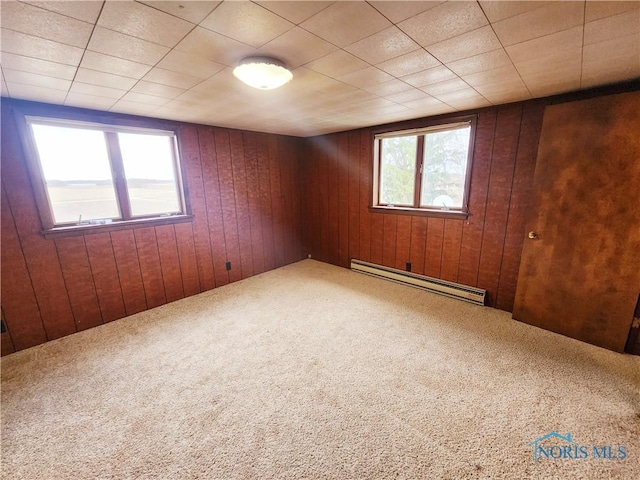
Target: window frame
[(110, 125), (419, 128)]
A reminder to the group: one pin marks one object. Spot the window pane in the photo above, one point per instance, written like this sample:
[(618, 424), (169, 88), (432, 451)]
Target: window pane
[(445, 168), (150, 171), (397, 170), (77, 173)]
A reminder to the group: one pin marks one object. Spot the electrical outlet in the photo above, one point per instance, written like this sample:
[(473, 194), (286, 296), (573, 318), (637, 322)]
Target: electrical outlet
[(408, 266), (227, 266)]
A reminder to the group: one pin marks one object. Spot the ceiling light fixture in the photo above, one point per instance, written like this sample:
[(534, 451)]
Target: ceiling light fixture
[(265, 73)]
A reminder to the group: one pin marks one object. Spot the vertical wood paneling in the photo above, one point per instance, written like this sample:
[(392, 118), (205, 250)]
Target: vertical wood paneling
[(389, 239), (18, 298), (377, 238), (241, 202), (105, 276), (266, 205), (215, 219), (40, 255), (403, 241), (330, 186), (253, 191), (433, 252), (78, 279), (497, 210), (190, 150), (149, 258), (418, 243), (354, 196), (276, 202), (243, 191), (520, 203), (127, 262), (365, 194), (169, 262), (188, 259), (343, 199), (451, 250), (483, 249), (480, 170)]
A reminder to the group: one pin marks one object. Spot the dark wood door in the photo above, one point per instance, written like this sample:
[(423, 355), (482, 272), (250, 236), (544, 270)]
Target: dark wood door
[(580, 276)]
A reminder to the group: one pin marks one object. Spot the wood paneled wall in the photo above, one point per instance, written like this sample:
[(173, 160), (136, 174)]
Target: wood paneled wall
[(482, 251), (245, 194)]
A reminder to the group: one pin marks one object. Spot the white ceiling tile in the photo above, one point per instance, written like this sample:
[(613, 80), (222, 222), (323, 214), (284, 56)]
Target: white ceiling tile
[(397, 10), (554, 86), (382, 46), (601, 9), (469, 103), (246, 22), (427, 77), (556, 17), (157, 89), (104, 79), (297, 47), (409, 63), (89, 101), (547, 45), (114, 65), (502, 90), (214, 47), (87, 11), (444, 21), (479, 63), (124, 46), (366, 78), (36, 65), (507, 73), (24, 18), (344, 23), (191, 65), (39, 94), (429, 106), (30, 46), (388, 88), (456, 95), (144, 99), (192, 11), (96, 90), (436, 89), (26, 78), (141, 21), (294, 11), (337, 64), (466, 45), (133, 108), (611, 61), (171, 79), (4, 91), (407, 96), (500, 9), (560, 65), (604, 29)]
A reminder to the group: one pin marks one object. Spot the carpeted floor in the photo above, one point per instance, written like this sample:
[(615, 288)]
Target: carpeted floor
[(313, 371)]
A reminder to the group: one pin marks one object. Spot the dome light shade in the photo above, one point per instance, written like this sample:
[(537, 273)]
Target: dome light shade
[(264, 73)]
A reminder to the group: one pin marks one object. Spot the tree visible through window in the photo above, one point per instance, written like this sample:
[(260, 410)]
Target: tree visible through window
[(425, 169), (98, 174)]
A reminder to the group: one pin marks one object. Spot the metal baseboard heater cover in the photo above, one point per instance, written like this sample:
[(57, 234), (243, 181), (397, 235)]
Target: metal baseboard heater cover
[(435, 285)]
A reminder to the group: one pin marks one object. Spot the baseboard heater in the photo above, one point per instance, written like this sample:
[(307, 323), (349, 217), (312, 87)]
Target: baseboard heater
[(435, 285)]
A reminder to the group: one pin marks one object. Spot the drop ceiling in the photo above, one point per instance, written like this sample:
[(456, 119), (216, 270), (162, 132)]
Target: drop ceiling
[(355, 63)]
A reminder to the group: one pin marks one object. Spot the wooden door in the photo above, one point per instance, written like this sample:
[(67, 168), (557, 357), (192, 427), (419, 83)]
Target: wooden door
[(581, 276)]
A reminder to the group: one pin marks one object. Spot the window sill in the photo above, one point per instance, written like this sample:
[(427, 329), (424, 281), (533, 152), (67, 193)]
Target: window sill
[(420, 212), (74, 230)]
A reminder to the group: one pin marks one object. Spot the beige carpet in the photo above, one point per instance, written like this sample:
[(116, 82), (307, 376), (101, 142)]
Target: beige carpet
[(313, 371)]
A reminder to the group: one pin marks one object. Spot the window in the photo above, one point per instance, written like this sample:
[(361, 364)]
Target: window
[(91, 174), (424, 169)]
